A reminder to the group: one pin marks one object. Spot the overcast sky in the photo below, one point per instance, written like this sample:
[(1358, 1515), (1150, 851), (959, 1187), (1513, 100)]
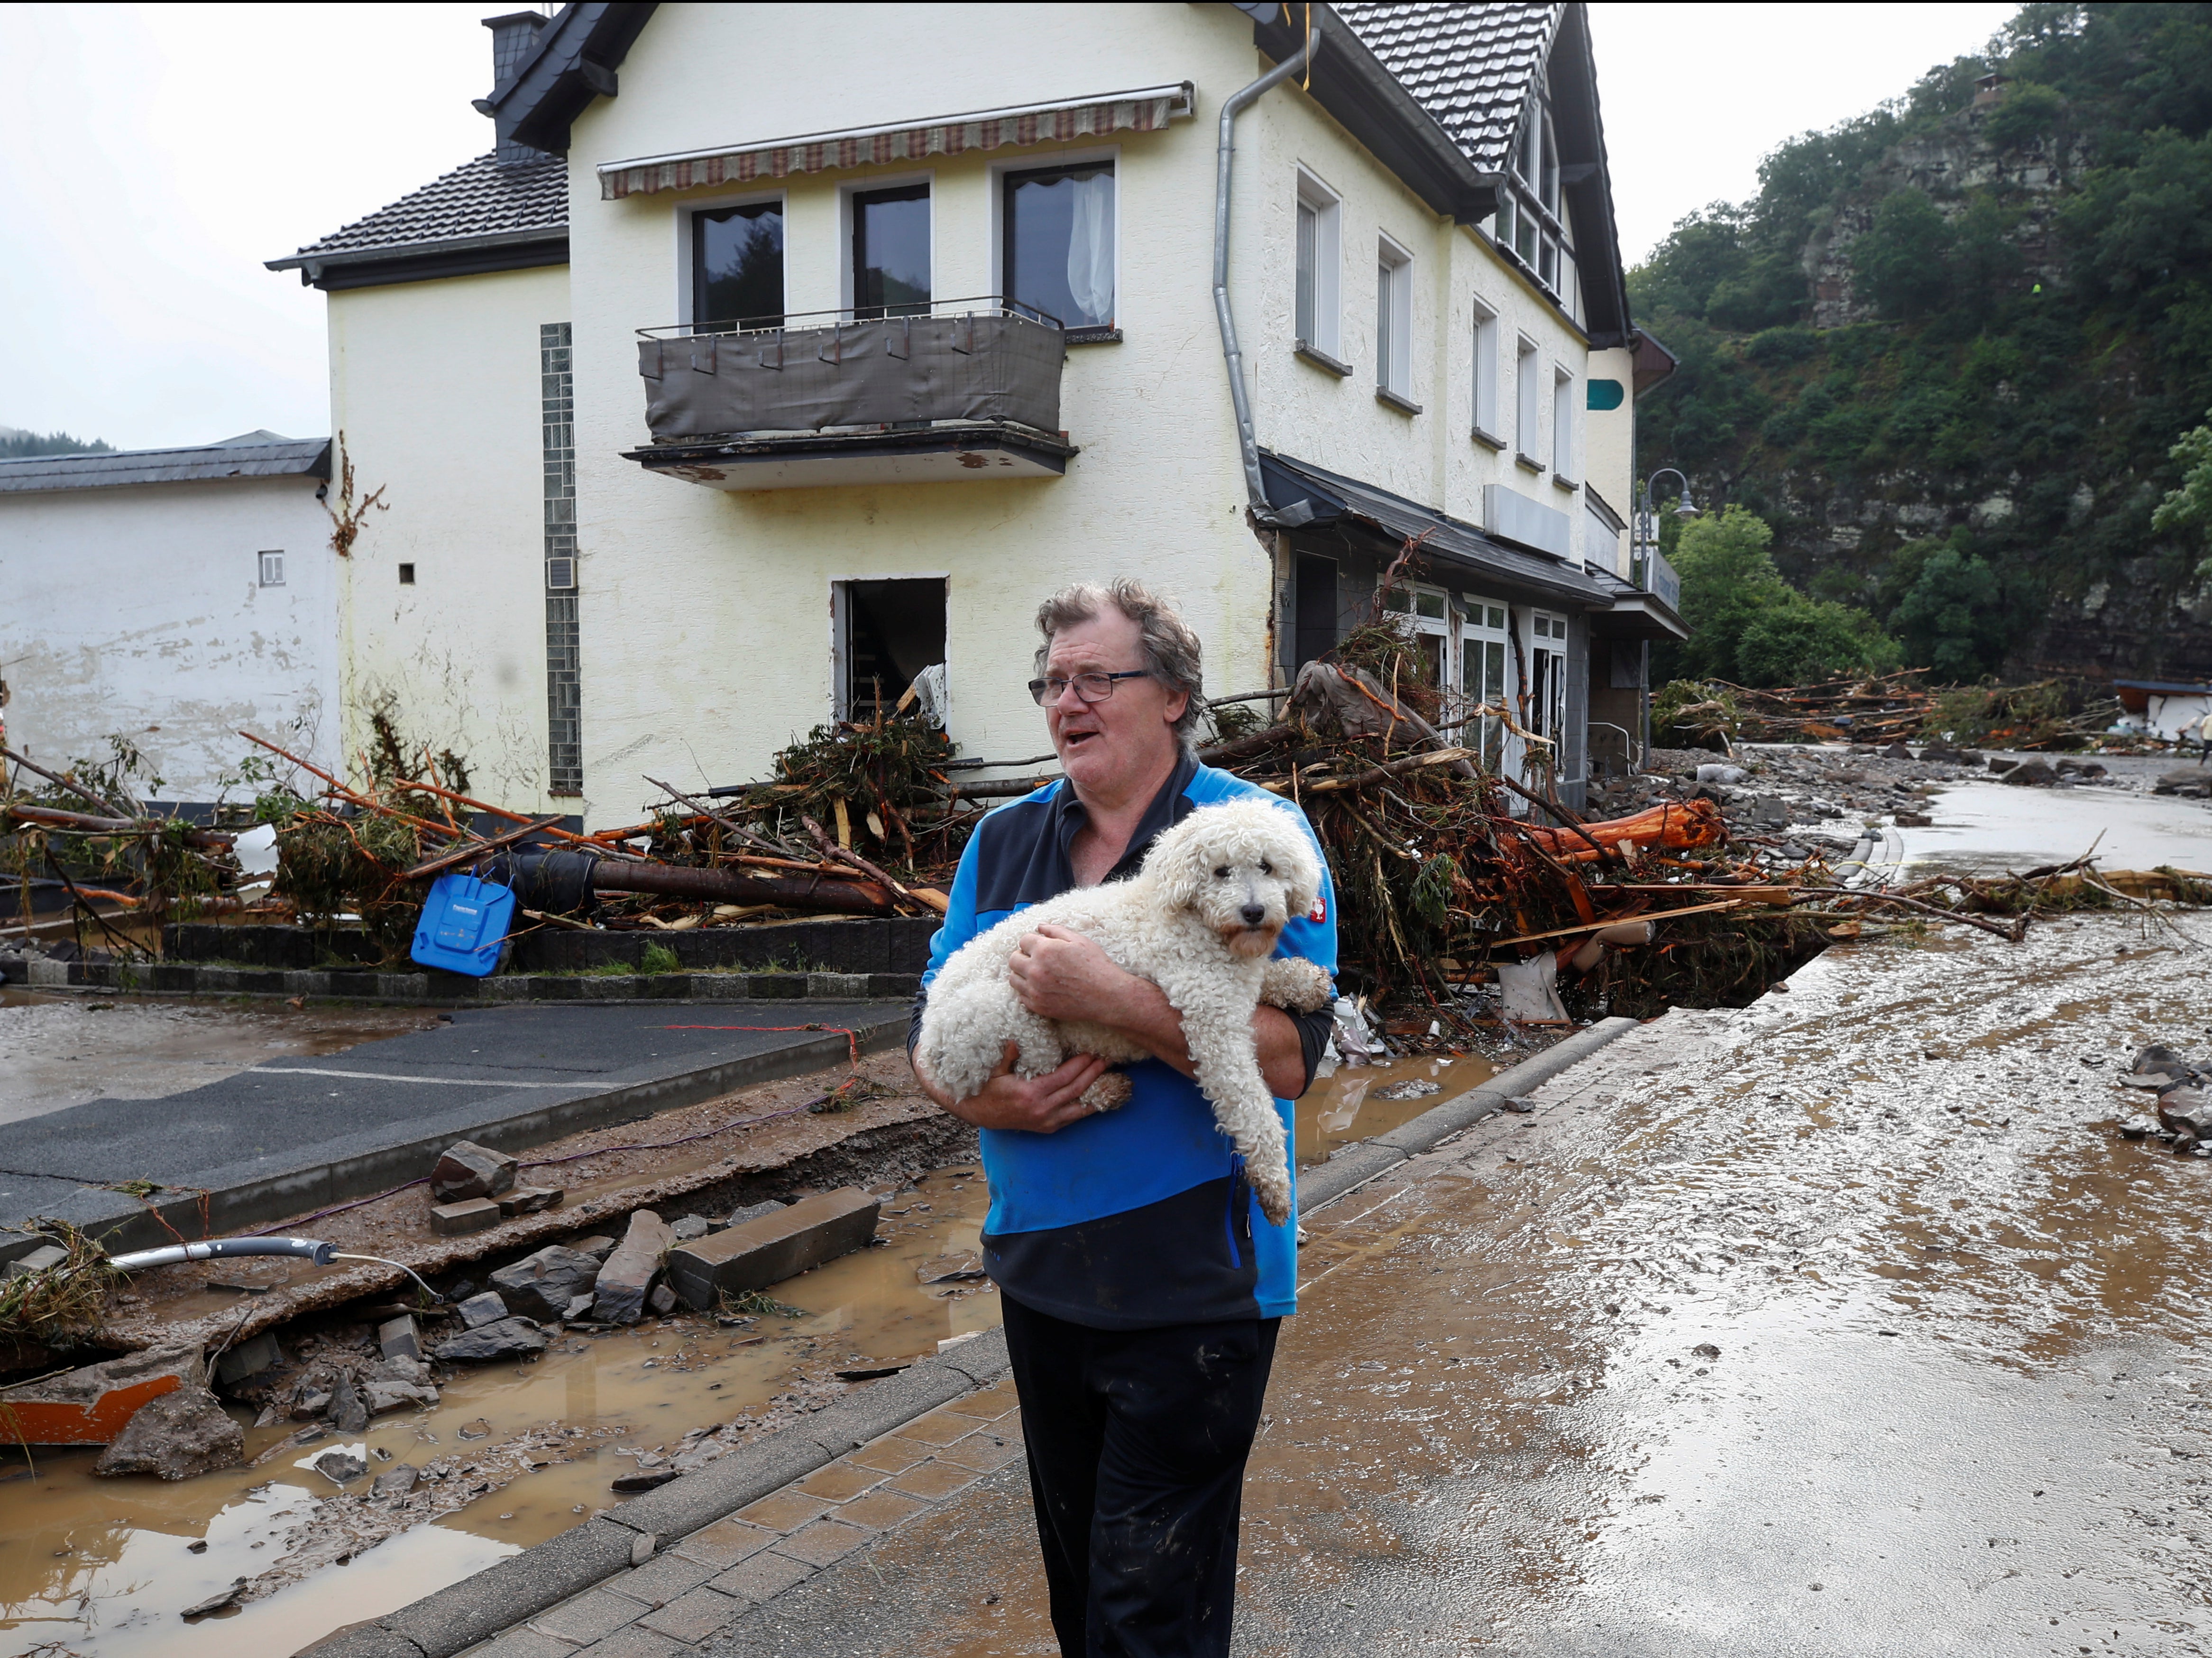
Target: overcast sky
[(157, 155)]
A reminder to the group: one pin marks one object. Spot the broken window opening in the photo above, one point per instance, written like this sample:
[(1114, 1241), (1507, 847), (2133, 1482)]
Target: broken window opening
[(887, 633)]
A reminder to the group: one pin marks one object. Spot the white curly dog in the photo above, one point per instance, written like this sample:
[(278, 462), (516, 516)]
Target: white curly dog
[(1199, 919)]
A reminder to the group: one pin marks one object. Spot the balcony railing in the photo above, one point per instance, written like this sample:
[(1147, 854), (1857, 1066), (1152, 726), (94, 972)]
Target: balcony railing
[(980, 359), (1652, 572)]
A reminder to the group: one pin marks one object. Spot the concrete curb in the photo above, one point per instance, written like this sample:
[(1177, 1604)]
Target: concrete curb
[(522, 1586), (356, 1166), (452, 990), (1356, 1165)]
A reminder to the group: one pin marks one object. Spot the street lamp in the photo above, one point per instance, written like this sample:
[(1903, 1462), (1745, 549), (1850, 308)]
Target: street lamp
[(1685, 508), (1652, 574)]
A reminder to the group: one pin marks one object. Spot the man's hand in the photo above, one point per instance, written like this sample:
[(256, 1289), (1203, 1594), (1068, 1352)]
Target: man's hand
[(1059, 974), (1041, 1105)]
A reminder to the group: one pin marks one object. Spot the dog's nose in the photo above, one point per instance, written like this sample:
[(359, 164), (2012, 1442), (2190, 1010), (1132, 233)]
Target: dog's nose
[(1254, 914)]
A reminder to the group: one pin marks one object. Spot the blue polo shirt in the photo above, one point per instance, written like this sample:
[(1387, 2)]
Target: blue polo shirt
[(1142, 1216)]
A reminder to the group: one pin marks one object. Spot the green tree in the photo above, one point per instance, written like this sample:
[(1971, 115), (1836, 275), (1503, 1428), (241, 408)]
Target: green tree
[(2188, 505), (1901, 259), (1952, 618), (1749, 625), (1802, 640), (2028, 111)]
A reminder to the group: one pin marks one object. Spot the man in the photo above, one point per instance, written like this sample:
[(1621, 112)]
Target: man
[(1142, 1287)]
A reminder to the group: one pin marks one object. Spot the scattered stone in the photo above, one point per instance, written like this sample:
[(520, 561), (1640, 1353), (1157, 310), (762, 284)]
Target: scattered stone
[(772, 1248), (183, 1433), (1913, 820), (2194, 784), (382, 1398), (469, 1170), (1706, 1351), (529, 1200), (2187, 1112), (1520, 1103), (598, 1246), (749, 1212), (488, 1307), (477, 1430), (348, 1413), (248, 1358), (1413, 1087), (474, 1215), (661, 1299), (395, 1481), (618, 1292), (38, 1260), (340, 1467), (579, 1306), (507, 1338), (1999, 764), (689, 1227), (1897, 751), (542, 1285), (2135, 1128), (215, 1602), (2031, 774), (399, 1339), (630, 1484), (1726, 775)]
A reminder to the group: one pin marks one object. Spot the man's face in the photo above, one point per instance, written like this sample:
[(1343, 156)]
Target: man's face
[(1109, 747)]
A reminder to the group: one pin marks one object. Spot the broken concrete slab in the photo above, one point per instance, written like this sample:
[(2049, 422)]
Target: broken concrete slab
[(529, 1200), (508, 1338), (399, 1337), (395, 1481), (619, 1291), (176, 1435), (469, 1170), (541, 1286), (92, 1406), (38, 1260), (454, 1220), (774, 1248), (381, 1397)]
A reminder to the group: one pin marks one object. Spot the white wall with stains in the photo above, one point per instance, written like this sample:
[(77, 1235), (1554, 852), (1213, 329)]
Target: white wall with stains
[(138, 610)]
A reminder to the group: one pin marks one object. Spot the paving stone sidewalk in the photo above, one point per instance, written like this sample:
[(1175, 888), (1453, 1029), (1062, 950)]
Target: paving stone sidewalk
[(697, 1589)]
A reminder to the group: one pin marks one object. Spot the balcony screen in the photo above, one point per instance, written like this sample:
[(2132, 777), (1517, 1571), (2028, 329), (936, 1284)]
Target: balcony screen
[(737, 266), (1059, 243), (890, 253)]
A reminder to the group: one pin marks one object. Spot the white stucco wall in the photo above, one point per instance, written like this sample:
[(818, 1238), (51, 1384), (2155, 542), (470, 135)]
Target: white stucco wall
[(435, 390), (138, 610)]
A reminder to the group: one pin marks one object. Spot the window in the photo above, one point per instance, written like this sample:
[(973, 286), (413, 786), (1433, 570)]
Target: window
[(1393, 321), (1547, 679), (1562, 426), (1428, 613), (1058, 252), (890, 253), (1319, 308), (1486, 372), (272, 569), (1526, 436), (1528, 225), (407, 575), (887, 633), (1316, 608), (737, 266), (1484, 643)]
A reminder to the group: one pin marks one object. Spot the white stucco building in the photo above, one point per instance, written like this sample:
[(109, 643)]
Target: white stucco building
[(170, 597), (706, 415)]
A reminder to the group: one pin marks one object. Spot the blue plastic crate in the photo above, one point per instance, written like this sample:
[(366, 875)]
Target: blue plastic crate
[(463, 925)]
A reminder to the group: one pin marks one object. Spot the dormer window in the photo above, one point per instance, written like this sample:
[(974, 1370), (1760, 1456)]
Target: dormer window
[(1528, 225)]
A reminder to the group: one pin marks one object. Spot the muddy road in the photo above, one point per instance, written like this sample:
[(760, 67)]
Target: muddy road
[(1846, 1324)]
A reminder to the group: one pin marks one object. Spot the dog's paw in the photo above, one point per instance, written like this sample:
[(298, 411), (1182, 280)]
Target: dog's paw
[(1294, 982), (1109, 1092)]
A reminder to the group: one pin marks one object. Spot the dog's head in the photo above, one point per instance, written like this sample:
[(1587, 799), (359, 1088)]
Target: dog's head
[(1244, 868)]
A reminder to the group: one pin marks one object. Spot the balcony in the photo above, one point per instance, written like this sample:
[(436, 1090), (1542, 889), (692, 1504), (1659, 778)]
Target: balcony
[(1656, 577), (968, 389), (1647, 606)]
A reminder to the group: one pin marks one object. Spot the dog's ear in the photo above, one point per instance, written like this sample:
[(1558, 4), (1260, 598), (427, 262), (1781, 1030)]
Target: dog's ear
[(1304, 874), (1176, 866)]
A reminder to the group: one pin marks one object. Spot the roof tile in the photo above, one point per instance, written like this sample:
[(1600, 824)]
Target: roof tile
[(482, 198), (1470, 66)]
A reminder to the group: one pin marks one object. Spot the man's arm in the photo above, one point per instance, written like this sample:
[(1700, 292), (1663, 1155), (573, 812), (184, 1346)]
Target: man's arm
[(1059, 974)]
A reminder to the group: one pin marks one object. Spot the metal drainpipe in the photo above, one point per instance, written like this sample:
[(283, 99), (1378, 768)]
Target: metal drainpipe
[(1229, 353)]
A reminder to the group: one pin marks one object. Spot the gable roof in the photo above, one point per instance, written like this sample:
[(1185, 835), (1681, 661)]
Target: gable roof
[(1469, 67), (253, 454), (486, 215)]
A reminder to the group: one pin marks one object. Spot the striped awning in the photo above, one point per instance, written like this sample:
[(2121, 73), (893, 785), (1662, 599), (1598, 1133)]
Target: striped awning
[(1148, 109)]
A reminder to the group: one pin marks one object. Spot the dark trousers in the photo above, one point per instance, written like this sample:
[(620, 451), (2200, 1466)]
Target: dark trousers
[(1137, 1440)]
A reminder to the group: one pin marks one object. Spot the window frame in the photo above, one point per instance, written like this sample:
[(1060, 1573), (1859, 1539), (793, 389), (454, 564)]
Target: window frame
[(1527, 402), (1547, 675), (1393, 323), (1564, 473), (272, 573), (687, 246), (849, 227), (1488, 325), (1002, 231), (1528, 226), (1484, 624), (1320, 334)]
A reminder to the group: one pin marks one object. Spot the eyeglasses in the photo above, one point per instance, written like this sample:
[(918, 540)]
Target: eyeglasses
[(1090, 687)]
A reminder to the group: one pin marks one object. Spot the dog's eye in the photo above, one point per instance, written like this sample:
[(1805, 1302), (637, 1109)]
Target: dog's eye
[(1266, 868), (1222, 874)]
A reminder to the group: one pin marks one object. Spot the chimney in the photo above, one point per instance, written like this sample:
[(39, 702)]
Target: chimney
[(513, 36)]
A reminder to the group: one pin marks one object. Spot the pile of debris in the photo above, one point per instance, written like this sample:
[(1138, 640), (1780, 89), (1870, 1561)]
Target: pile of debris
[(1878, 710), (2182, 1090)]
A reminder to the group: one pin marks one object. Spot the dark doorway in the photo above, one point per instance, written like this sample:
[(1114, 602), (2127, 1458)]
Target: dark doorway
[(892, 630), (890, 253), (1315, 630)]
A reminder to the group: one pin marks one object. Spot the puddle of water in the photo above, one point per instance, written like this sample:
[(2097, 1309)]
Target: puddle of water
[(1347, 1105), (1987, 828), (124, 1540), (57, 1051)]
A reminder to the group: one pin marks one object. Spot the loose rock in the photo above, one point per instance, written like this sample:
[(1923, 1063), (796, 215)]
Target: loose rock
[(542, 1285), (508, 1338), (479, 1310), (177, 1435), (618, 1293), (340, 1467), (398, 1337), (529, 1200), (2031, 774), (471, 1214), (348, 1414), (661, 1299), (469, 1170), (689, 1227), (395, 1481), (215, 1602)]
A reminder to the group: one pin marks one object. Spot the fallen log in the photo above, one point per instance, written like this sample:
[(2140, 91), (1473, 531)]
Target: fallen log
[(52, 818), (1678, 825), (822, 892)]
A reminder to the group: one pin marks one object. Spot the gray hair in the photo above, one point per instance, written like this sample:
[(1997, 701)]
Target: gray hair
[(1170, 648)]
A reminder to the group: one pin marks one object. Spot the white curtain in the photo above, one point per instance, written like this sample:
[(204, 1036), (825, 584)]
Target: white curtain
[(1091, 250)]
